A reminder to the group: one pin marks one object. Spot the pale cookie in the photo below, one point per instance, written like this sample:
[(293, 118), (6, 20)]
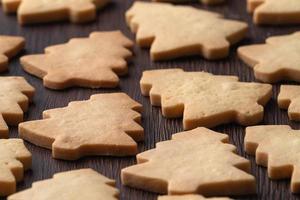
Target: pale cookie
[(15, 94), (204, 99), (278, 59), (14, 160), (106, 124), (71, 185), (207, 2), (289, 98), (41, 11), (10, 6), (196, 32), (87, 62), (9, 47), (274, 11), (181, 166), (276, 147), (190, 197)]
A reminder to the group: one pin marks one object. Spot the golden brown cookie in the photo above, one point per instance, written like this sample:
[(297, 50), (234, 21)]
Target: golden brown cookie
[(106, 124), (204, 99), (196, 32), (278, 59), (71, 185), (9, 47), (253, 4), (198, 161), (87, 62), (10, 6), (41, 11), (190, 197), (15, 94), (14, 159), (276, 147), (207, 2), (289, 99), (274, 11)]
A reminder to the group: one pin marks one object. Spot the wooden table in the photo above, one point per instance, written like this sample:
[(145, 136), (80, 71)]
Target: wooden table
[(156, 127)]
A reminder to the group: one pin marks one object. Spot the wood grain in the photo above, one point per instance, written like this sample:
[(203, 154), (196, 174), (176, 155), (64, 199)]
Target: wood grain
[(156, 127)]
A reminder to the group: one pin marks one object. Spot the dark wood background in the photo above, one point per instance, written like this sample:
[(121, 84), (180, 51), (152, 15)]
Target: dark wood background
[(156, 127)]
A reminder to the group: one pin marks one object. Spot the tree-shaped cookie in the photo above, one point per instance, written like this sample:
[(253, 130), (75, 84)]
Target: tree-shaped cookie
[(41, 11), (196, 161), (10, 6), (88, 62), (204, 99), (14, 159), (71, 185), (276, 147), (207, 2), (274, 11), (196, 32), (278, 59), (15, 94), (289, 98), (9, 47), (106, 124), (190, 197)]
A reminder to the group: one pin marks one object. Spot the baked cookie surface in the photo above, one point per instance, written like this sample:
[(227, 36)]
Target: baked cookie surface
[(10, 6), (15, 95), (76, 185), (42, 11), (196, 32), (93, 62), (274, 12), (204, 99), (197, 161), (9, 47), (14, 160), (289, 99), (277, 60), (106, 124), (276, 147)]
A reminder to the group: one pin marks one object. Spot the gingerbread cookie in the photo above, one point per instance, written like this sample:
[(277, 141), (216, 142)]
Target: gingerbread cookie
[(87, 62), (196, 32), (14, 159), (204, 99), (189, 197), (207, 2), (276, 147), (274, 11), (106, 124), (9, 47), (76, 185), (15, 94), (278, 59), (76, 11), (289, 98), (181, 166)]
